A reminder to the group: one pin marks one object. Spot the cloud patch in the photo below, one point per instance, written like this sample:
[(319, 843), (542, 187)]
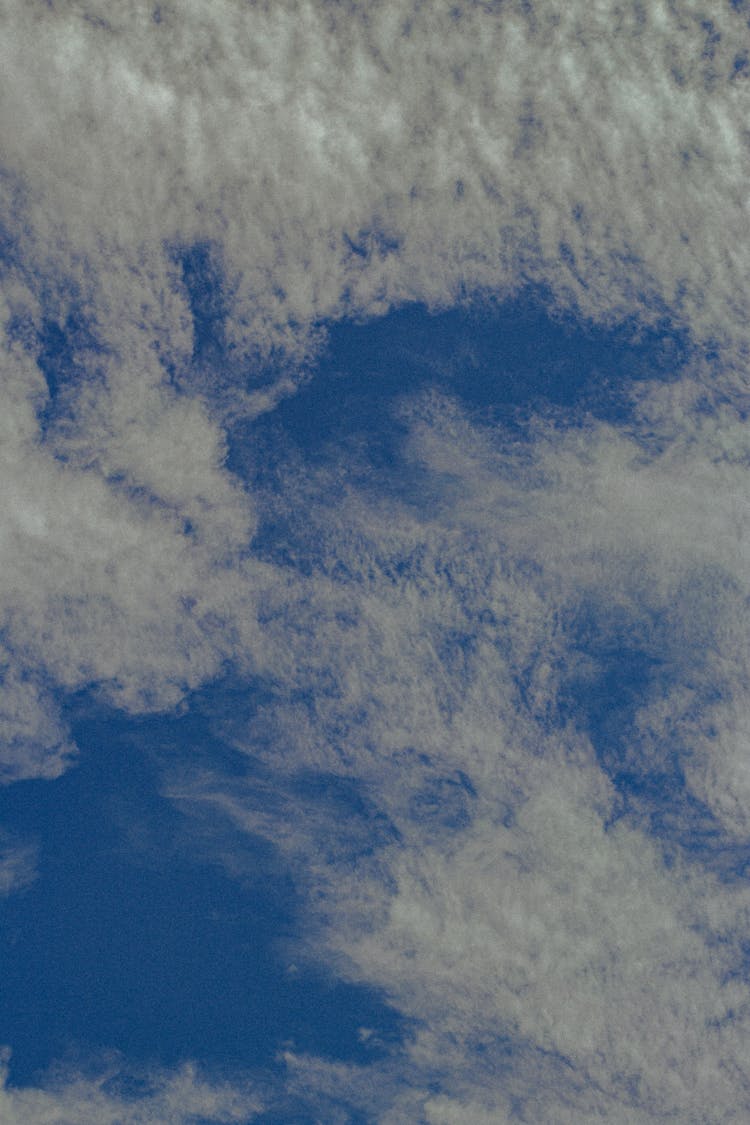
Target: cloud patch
[(116, 1098), (600, 153), (414, 657), (18, 863)]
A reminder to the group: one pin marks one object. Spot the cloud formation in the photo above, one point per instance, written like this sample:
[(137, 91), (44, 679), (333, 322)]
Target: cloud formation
[(600, 154), (112, 1098), (600, 151), (109, 546), (492, 871), (505, 878)]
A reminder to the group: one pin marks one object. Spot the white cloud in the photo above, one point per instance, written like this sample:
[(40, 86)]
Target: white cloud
[(598, 149), (599, 152), (180, 1097), (339, 162), (109, 549), (424, 660)]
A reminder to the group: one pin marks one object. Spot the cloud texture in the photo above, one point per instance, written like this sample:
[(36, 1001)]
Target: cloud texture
[(492, 876), (601, 154), (188, 194), (112, 1098)]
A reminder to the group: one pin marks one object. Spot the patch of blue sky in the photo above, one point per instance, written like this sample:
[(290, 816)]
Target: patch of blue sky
[(613, 672), (616, 665), (504, 361), (205, 286), (507, 364), (65, 346), (62, 350), (135, 940)]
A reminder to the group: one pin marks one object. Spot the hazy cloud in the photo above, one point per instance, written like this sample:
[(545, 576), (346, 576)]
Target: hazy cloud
[(599, 153), (504, 888), (305, 162), (114, 1098), (17, 864)]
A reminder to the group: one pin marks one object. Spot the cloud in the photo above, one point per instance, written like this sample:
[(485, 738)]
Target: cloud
[(114, 1098), (18, 862), (600, 152), (110, 550), (154, 153), (494, 872), (308, 162)]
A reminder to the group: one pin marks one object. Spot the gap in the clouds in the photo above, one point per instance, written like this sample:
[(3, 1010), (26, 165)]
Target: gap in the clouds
[(135, 938), (505, 363), (618, 663), (66, 350), (57, 353), (204, 282)]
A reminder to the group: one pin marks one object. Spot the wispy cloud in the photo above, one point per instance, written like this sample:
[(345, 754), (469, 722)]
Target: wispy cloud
[(563, 949), (600, 154), (513, 890), (114, 1097), (18, 863)]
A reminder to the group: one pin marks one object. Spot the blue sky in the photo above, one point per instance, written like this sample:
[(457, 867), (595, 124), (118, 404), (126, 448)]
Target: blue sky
[(374, 677)]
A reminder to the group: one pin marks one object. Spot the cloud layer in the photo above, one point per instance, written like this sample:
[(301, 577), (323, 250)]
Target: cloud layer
[(189, 193), (494, 875), (598, 150), (600, 154)]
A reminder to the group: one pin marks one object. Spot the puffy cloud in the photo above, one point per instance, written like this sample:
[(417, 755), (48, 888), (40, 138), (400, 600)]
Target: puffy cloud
[(110, 551), (111, 1098)]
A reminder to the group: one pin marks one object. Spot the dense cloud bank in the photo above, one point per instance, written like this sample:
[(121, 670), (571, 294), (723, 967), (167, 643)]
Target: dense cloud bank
[(189, 195)]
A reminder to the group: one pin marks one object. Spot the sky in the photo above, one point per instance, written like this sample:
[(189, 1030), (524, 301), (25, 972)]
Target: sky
[(374, 562)]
